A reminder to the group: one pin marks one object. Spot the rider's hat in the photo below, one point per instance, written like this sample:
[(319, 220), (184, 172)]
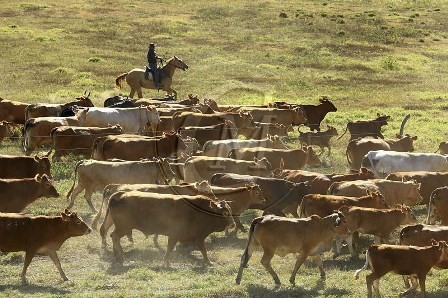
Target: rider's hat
[(151, 45)]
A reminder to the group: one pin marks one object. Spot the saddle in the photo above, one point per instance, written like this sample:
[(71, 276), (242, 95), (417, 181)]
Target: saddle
[(149, 70)]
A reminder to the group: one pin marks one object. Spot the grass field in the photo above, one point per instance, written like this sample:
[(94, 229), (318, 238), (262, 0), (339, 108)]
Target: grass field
[(368, 56)]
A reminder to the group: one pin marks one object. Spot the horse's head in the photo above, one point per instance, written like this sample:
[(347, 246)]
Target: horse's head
[(178, 63)]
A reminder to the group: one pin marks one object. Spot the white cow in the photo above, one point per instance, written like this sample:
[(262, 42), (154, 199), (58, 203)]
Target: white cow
[(132, 120), (382, 163)]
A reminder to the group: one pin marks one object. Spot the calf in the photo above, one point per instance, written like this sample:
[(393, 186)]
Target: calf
[(359, 147), (95, 175), (403, 260), (262, 130), (16, 194), (169, 215), (281, 236), (185, 119), (23, 166), (221, 148), (438, 206), (366, 128), (41, 235), (321, 139), (378, 222), (316, 113)]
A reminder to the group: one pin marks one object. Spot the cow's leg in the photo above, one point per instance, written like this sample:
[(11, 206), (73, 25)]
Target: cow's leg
[(239, 225), (28, 257), (172, 91), (171, 244), (54, 257), (139, 92), (302, 257), (372, 279), (409, 288), (349, 241), (337, 248), (105, 226), (421, 281), (203, 250), (155, 239), (266, 262), (79, 188), (319, 263), (88, 196), (118, 250), (131, 95)]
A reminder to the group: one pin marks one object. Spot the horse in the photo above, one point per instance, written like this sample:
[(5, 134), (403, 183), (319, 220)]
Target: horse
[(136, 78)]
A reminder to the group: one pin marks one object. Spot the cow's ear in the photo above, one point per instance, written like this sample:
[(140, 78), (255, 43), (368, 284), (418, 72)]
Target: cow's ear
[(38, 177), (414, 138), (434, 242)]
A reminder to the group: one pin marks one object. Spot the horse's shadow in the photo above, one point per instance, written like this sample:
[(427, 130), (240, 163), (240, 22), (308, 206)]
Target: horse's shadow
[(35, 289)]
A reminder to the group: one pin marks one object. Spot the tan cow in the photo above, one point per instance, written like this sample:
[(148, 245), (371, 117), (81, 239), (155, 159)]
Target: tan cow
[(221, 148), (78, 140), (438, 206), (359, 147), (94, 175), (262, 130), (281, 236), (377, 222), (39, 235), (293, 159), (16, 194), (169, 215), (394, 192), (136, 148), (443, 148), (12, 111), (403, 260), (198, 168), (14, 167), (294, 116), (36, 131)]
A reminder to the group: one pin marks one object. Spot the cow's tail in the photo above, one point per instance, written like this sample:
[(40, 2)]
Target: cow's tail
[(246, 255), (119, 79), (332, 189), (74, 179), (349, 147), (26, 126), (438, 149), (232, 153), (52, 142), (343, 133), (430, 208), (106, 194), (363, 267), (303, 206)]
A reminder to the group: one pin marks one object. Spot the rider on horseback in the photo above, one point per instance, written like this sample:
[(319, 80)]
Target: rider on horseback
[(152, 62)]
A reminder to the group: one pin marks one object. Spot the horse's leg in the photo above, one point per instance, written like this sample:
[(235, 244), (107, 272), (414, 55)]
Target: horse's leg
[(131, 95), (172, 91)]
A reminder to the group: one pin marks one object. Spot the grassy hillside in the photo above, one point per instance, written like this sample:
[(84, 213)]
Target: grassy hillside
[(367, 56)]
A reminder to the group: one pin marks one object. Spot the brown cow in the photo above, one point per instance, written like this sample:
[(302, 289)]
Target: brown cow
[(287, 117), (428, 181), (262, 130), (12, 111), (198, 168), (6, 130), (403, 260), (168, 215), (438, 206), (282, 197), (222, 131), (294, 159), (54, 110), (185, 119), (316, 113), (36, 131), (378, 222), (78, 140), (14, 167), (394, 192), (319, 138), (359, 147), (137, 148), (324, 205), (281, 236), (41, 235), (16, 194), (366, 128), (94, 175)]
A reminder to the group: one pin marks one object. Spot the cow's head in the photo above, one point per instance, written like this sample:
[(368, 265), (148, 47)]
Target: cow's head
[(245, 120), (256, 195), (331, 131), (409, 216), (165, 169), (46, 187), (264, 165), (221, 208), (326, 102), (275, 142), (153, 118), (340, 223), (75, 226), (43, 165), (365, 174), (403, 143), (382, 119), (311, 156), (380, 202), (204, 187), (413, 196), (442, 247)]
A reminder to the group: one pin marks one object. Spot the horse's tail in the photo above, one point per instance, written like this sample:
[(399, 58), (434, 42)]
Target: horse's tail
[(119, 79)]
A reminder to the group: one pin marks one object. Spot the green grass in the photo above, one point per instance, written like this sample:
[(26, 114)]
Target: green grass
[(367, 56)]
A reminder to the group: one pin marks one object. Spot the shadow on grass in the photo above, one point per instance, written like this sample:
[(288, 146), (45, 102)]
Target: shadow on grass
[(34, 289)]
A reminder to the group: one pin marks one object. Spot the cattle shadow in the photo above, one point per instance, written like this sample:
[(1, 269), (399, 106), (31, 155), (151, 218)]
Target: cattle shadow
[(295, 291), (35, 289), (438, 293)]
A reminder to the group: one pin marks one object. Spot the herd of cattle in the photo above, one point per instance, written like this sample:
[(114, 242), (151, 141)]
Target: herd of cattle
[(187, 169)]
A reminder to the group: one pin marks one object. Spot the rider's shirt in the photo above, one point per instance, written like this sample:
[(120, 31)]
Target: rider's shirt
[(152, 56)]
